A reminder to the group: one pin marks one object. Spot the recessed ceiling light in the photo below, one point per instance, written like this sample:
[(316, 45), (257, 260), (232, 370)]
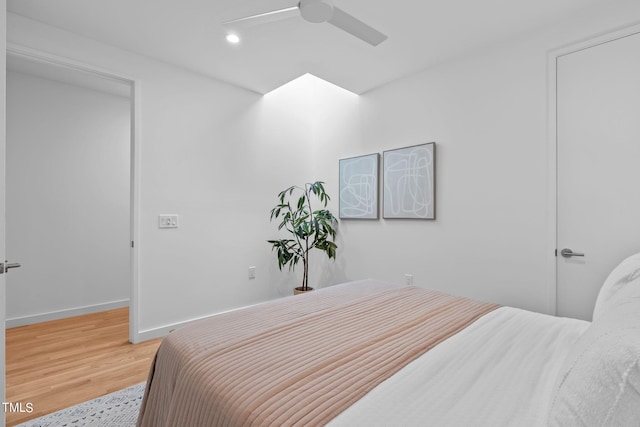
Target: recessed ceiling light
[(233, 38)]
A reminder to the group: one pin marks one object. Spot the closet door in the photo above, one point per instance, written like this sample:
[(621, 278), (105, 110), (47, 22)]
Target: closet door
[(598, 175)]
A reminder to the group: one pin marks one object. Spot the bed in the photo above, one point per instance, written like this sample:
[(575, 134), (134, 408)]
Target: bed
[(376, 354)]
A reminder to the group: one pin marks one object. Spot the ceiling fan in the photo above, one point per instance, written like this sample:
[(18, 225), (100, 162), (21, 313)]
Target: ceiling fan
[(316, 11)]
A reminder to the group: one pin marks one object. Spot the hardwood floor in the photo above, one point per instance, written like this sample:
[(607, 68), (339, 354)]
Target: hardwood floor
[(60, 363)]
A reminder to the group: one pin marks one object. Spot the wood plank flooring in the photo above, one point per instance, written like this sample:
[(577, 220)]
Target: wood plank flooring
[(61, 363)]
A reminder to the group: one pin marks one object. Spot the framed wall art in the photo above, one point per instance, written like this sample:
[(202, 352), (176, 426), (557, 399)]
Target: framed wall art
[(409, 182), (359, 187)]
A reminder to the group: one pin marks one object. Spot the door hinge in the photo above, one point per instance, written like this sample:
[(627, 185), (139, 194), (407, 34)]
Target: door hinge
[(132, 244), (556, 252)]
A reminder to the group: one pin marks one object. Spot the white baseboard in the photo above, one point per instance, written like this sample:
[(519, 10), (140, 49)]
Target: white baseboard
[(163, 331), (160, 332), (62, 314)]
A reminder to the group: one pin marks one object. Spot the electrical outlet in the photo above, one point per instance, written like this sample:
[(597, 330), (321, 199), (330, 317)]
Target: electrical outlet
[(252, 272), (167, 221), (408, 279)]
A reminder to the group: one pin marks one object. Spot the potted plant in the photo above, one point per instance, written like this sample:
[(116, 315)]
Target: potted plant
[(308, 228)]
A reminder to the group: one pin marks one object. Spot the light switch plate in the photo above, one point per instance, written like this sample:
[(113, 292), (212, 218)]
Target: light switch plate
[(167, 221)]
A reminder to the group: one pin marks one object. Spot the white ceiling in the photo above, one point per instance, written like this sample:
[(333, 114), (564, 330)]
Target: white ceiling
[(189, 33)]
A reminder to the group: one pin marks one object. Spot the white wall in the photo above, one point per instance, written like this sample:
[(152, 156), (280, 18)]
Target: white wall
[(318, 108), (218, 155), (487, 113), (212, 153), (68, 175)]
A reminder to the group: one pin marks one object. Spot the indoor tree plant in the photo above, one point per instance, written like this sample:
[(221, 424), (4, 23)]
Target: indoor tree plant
[(308, 228)]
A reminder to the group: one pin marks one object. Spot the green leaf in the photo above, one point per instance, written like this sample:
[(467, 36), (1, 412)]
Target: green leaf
[(301, 201), (308, 228)]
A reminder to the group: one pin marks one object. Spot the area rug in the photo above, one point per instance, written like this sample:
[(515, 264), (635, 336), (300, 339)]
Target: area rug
[(119, 409)]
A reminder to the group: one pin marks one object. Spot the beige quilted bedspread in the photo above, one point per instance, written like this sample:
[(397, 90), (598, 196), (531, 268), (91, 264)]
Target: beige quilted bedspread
[(299, 360)]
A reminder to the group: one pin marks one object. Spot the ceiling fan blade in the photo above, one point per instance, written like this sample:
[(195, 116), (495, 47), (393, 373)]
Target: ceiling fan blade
[(263, 18), (356, 27)]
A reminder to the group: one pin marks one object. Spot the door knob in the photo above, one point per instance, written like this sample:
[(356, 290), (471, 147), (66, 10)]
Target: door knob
[(5, 266), (568, 253)]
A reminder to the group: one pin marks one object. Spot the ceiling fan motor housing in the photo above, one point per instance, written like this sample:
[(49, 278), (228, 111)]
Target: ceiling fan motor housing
[(316, 11)]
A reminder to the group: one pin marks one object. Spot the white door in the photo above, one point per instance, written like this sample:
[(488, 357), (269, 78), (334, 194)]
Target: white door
[(3, 17), (598, 168)]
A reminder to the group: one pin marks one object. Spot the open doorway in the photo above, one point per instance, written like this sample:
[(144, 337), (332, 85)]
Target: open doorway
[(71, 214), (71, 205)]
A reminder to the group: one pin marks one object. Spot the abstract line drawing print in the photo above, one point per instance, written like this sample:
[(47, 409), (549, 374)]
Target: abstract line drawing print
[(359, 187), (409, 182)]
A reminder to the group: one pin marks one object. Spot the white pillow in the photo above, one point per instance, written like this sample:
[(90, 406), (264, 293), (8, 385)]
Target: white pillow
[(626, 272), (599, 383)]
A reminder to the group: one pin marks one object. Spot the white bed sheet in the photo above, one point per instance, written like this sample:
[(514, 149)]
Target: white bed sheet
[(499, 371)]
